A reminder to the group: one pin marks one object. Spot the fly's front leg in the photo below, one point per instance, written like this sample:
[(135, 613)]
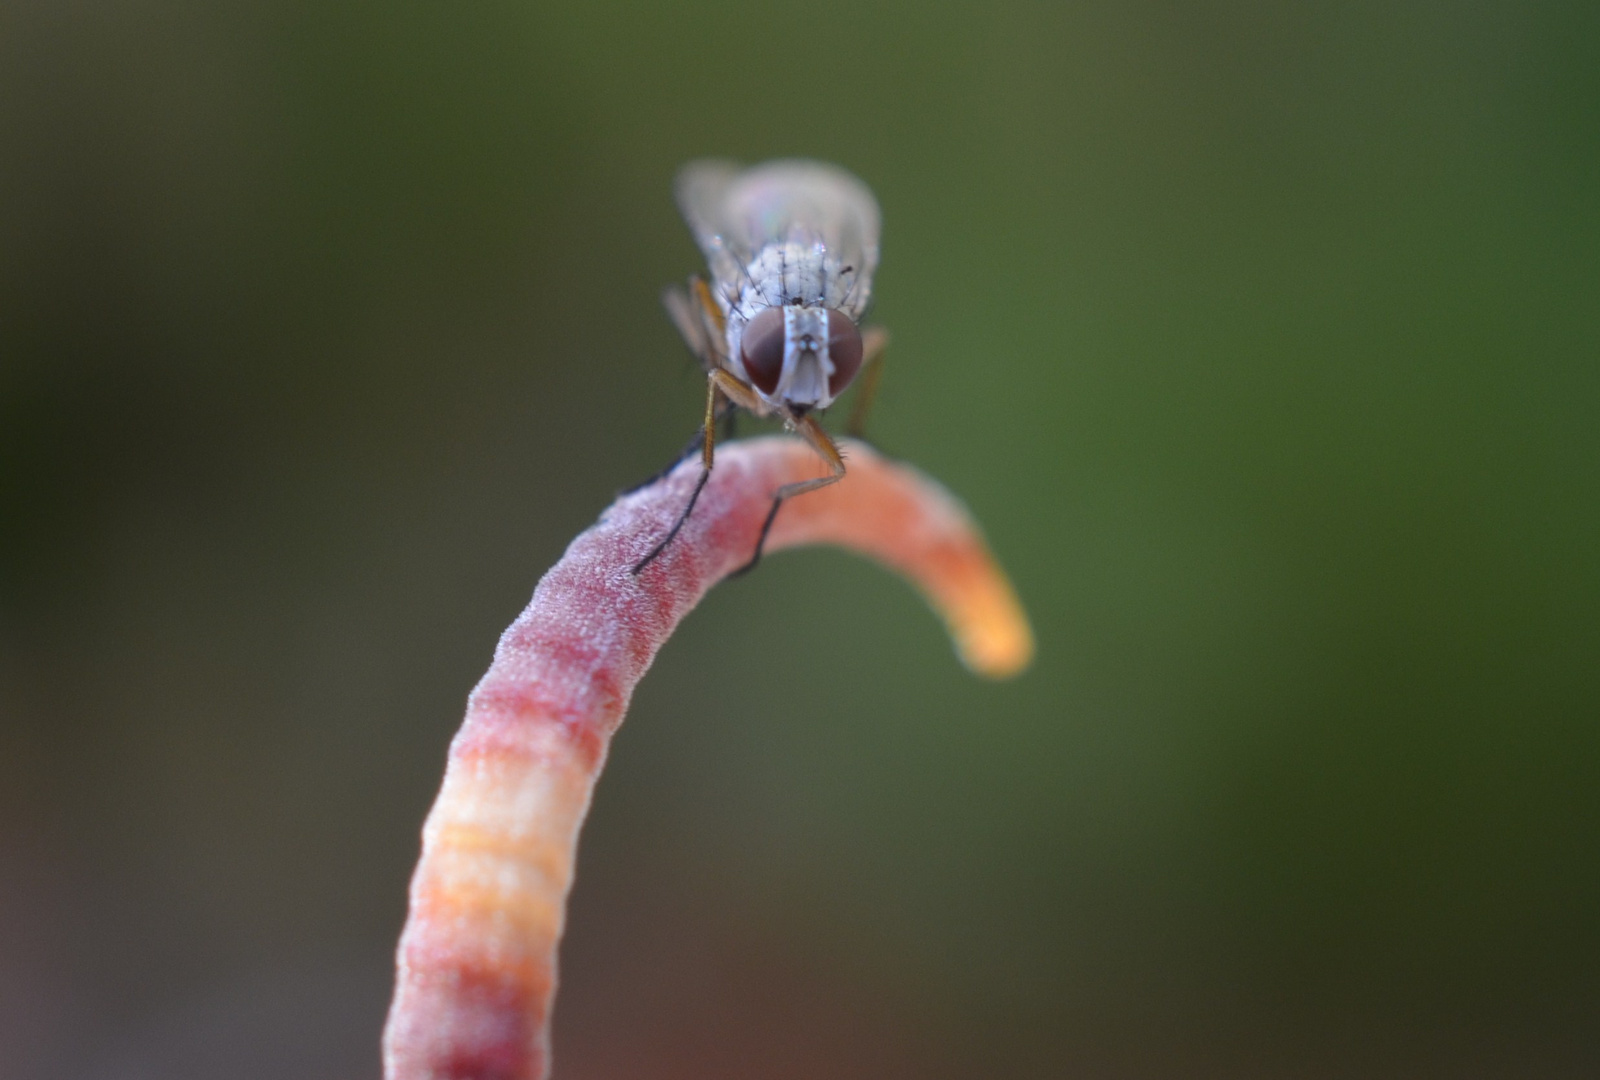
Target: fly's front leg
[(874, 340), (737, 392), (708, 432), (808, 428)]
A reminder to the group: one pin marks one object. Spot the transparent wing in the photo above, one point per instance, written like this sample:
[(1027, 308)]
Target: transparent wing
[(734, 213), (702, 195)]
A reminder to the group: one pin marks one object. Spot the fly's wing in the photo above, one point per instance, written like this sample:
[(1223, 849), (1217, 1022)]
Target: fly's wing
[(735, 214), (702, 190)]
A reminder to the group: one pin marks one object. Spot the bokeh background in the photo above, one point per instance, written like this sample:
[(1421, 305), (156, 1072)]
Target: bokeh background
[(1263, 338)]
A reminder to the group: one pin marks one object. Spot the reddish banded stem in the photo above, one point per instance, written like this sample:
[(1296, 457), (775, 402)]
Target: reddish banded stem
[(477, 960)]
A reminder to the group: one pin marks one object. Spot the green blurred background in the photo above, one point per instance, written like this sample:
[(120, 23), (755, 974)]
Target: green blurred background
[(1263, 338)]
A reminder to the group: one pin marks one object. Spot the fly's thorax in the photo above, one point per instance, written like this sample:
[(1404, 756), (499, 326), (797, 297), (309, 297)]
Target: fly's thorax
[(800, 356), (796, 272)]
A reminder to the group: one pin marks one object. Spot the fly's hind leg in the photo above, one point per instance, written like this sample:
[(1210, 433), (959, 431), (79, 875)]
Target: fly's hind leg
[(699, 321), (708, 437), (811, 431), (696, 441), (719, 384), (725, 415), (874, 340)]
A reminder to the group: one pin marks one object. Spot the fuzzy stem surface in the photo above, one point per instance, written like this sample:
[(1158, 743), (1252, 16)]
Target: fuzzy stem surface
[(476, 967)]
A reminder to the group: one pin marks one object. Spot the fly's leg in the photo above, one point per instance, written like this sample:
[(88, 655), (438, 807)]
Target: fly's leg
[(874, 340), (699, 320), (719, 384), (726, 411), (715, 323), (694, 443), (738, 393), (696, 315), (708, 436), (811, 431), (680, 310)]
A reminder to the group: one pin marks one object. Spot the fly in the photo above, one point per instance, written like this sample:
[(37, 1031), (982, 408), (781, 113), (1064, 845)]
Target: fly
[(791, 247)]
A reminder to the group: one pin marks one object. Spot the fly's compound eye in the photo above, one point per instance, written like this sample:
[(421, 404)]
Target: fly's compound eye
[(844, 349), (761, 349)]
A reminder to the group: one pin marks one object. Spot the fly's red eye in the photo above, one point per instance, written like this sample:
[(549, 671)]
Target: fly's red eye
[(844, 349), (761, 348)]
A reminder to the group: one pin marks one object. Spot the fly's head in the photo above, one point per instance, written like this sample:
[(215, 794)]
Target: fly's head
[(799, 356)]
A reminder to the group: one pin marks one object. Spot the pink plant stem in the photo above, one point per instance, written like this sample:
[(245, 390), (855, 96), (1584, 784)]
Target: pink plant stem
[(477, 960)]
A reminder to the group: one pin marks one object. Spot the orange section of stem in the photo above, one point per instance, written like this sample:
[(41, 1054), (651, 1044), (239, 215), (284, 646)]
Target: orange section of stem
[(899, 517), (476, 970)]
